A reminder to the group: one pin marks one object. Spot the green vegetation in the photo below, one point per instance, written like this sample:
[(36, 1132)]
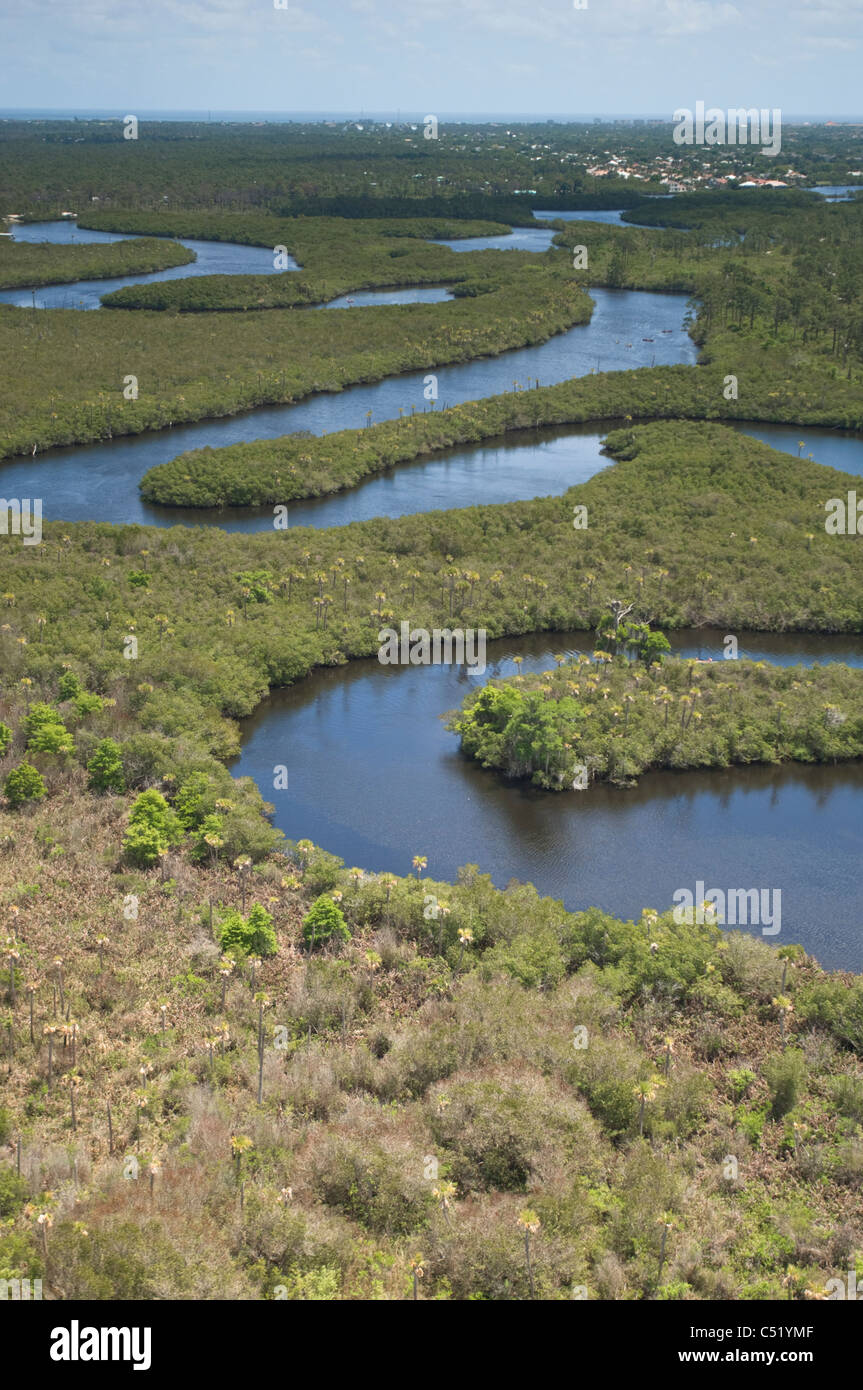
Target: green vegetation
[(24, 263), (291, 467), (338, 1084), (105, 768), (694, 524), (153, 828), (779, 325), (618, 718), (324, 923), (23, 784), (335, 256), (63, 371), (319, 1124), (315, 169), (248, 936)]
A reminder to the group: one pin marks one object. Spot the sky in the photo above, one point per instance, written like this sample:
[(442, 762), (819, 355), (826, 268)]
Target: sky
[(433, 56)]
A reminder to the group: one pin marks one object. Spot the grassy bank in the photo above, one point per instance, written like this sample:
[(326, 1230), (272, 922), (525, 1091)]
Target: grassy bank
[(694, 524), (64, 371), (335, 255), (24, 263), (279, 470)]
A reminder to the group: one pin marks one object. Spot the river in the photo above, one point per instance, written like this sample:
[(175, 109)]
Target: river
[(373, 774), (101, 480), (374, 777)]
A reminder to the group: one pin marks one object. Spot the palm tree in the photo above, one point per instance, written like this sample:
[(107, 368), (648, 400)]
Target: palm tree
[(644, 1091), (12, 955), (73, 1082), (420, 862), (529, 1223), (31, 987), (465, 936), (243, 866), (49, 1032), (225, 972), (240, 1144), (704, 577), (786, 1009), (443, 1193)]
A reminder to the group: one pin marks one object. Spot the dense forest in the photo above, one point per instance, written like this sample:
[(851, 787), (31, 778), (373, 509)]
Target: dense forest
[(49, 166)]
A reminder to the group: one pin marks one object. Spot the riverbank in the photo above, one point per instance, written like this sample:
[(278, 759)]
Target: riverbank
[(281, 470), (23, 264), (189, 367)]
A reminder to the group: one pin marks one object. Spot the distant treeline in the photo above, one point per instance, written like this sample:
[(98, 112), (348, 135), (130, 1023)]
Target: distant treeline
[(697, 209), (514, 211)]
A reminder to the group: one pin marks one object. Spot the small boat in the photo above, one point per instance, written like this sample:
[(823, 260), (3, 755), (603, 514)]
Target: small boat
[(647, 340)]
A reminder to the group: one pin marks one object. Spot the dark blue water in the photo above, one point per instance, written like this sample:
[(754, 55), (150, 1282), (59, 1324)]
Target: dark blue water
[(610, 216), (839, 192), (419, 294), (101, 480), (519, 239), (375, 777)]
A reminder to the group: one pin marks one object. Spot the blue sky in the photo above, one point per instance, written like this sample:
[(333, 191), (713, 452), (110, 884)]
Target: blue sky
[(542, 56)]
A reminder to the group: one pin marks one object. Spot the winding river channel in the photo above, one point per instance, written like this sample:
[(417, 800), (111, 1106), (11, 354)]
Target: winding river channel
[(373, 774)]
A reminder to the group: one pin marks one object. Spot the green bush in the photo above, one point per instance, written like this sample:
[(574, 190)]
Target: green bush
[(848, 1097), (88, 703), (153, 829), (194, 800), (373, 1187), (46, 732), (837, 1006), (252, 935), (22, 784), (741, 1079), (785, 1076), (69, 686), (105, 768), (323, 922), (13, 1192), (143, 845), (5, 739)]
